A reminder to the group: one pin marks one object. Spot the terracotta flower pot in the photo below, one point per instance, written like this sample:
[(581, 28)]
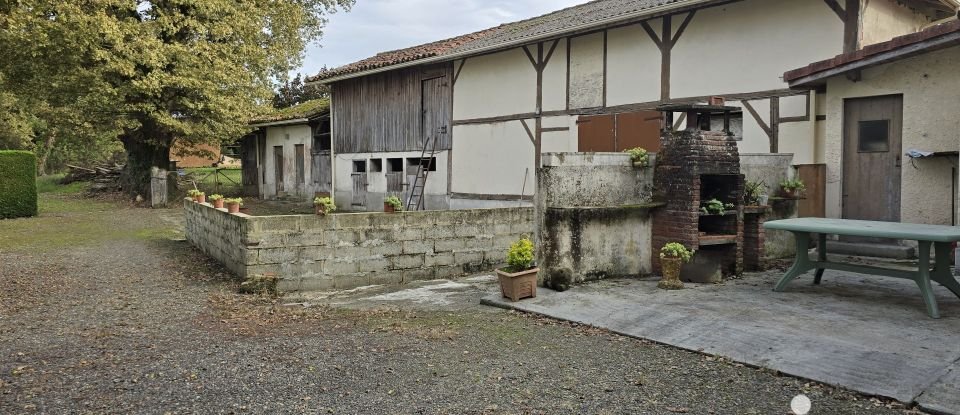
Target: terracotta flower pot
[(321, 210), (200, 199), (218, 204), (233, 207), (671, 274), (518, 285), (791, 194), (388, 208)]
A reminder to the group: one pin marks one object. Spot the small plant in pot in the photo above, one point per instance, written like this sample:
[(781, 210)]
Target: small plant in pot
[(792, 189), (755, 193), (197, 196), (392, 204), (639, 156), (672, 256), (233, 205), (324, 205), (716, 207), (217, 201), (519, 279)]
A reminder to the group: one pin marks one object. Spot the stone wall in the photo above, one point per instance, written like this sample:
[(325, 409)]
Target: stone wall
[(343, 251), (771, 169), (593, 218)]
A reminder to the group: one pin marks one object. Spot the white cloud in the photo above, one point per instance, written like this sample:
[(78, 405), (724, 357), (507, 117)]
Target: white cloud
[(375, 26)]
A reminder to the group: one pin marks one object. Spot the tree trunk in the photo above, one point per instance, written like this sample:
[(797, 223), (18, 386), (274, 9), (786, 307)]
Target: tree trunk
[(47, 148), (142, 155)]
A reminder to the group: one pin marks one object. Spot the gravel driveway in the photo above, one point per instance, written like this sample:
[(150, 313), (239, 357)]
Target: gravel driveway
[(101, 311)]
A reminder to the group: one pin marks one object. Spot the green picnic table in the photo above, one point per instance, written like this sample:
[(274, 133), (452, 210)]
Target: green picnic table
[(941, 237)]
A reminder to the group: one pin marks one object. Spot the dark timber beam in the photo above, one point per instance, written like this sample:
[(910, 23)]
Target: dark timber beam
[(837, 8), (851, 26), (665, 41)]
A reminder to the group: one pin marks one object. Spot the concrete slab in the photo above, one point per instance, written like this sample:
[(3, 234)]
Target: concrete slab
[(944, 395), (864, 333)]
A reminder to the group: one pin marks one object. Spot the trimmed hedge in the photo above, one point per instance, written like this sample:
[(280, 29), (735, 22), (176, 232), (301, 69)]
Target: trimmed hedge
[(18, 184)]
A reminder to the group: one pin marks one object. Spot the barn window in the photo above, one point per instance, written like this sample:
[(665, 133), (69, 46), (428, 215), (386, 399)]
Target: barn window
[(376, 165), (359, 166), (394, 165), (429, 164)]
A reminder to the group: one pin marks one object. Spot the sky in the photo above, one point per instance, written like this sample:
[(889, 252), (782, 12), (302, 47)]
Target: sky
[(374, 26)]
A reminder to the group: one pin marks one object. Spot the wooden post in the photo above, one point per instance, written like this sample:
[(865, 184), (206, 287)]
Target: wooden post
[(158, 187)]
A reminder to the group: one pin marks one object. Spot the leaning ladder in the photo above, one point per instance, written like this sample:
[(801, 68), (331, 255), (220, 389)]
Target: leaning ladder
[(415, 200)]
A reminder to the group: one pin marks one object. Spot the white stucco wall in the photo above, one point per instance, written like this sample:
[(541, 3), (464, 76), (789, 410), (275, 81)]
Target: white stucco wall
[(554, 78), (497, 84), (930, 85), (586, 71), (883, 20), (435, 190), (493, 159), (633, 66), (747, 46), (288, 137)]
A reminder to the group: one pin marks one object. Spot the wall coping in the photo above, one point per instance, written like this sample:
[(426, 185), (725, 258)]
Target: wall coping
[(590, 159)]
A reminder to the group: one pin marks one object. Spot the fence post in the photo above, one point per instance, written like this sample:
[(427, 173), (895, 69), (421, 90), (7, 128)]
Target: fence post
[(158, 187)]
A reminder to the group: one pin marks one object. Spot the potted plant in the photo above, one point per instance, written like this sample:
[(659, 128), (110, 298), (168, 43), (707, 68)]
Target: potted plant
[(217, 201), (672, 256), (755, 193), (195, 195), (392, 204), (639, 156), (233, 205), (792, 189), (519, 279), (716, 207), (324, 205)]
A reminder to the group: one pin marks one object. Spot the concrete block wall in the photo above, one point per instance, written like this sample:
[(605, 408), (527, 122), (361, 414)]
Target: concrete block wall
[(217, 233), (344, 251), (771, 169)]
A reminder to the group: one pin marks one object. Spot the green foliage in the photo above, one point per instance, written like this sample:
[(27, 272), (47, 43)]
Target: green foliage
[(214, 198), (793, 185), (327, 203), (148, 72), (233, 201), (520, 255), (194, 193), (716, 207), (395, 202), (18, 184), (753, 191), (639, 156), (295, 92), (676, 250)]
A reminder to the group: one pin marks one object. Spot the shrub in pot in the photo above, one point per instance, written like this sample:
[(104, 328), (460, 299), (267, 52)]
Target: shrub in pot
[(392, 204), (217, 201), (716, 207), (194, 195), (324, 205), (519, 279), (639, 156), (233, 205), (755, 193), (672, 256), (792, 189)]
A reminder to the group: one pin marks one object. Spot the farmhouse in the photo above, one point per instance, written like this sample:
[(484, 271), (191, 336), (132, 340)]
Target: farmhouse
[(892, 134), (476, 112), (288, 153)]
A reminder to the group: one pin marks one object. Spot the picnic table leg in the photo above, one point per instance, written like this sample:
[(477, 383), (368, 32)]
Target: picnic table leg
[(821, 256), (941, 269), (801, 264), (923, 280)]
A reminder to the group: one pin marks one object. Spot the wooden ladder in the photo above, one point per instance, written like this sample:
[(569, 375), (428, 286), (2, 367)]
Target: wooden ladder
[(415, 200)]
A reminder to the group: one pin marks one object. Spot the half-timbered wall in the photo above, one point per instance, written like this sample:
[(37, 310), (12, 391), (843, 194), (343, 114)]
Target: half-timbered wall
[(884, 20), (382, 112)]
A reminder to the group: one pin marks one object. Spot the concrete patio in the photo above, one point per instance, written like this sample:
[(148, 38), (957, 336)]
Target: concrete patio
[(868, 334)]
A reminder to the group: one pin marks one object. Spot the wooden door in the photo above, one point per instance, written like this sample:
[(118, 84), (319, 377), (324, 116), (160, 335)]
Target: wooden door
[(359, 189), (300, 160), (639, 129), (872, 155), (321, 165), (250, 167), (433, 105), (596, 134), (278, 169)]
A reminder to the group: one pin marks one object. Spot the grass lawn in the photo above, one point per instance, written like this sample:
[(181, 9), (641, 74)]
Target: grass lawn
[(227, 182)]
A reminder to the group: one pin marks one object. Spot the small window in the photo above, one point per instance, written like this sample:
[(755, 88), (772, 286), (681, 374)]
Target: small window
[(394, 165), (430, 164), (874, 136), (359, 166), (376, 165)]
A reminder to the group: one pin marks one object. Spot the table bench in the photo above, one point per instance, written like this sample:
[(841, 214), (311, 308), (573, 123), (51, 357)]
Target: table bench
[(941, 237)]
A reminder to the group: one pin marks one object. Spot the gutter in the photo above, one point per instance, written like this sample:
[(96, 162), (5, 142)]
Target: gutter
[(524, 41), (281, 123)]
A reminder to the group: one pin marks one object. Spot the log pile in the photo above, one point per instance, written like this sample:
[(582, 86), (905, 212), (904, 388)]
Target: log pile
[(103, 177)]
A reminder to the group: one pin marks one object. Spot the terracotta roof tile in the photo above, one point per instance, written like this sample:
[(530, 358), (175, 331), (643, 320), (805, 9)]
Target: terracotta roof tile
[(872, 50)]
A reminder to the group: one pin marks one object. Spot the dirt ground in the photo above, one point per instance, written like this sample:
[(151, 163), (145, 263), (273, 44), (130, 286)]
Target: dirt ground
[(103, 309)]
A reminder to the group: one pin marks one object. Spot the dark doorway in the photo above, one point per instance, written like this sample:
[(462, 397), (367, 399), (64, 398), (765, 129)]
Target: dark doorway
[(278, 169)]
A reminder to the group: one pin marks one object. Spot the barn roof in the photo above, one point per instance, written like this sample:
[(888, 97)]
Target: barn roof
[(300, 113), (570, 20), (934, 38)]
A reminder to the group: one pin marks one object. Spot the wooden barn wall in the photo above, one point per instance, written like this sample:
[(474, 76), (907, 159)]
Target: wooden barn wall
[(382, 112)]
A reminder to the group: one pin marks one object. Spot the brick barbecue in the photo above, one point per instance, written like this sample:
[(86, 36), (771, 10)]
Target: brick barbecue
[(696, 165)]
